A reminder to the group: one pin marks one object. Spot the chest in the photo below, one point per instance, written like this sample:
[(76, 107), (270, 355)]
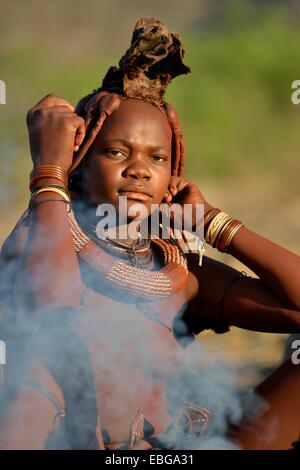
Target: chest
[(126, 336)]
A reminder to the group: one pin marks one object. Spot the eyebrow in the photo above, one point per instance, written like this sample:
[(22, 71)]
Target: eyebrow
[(129, 144)]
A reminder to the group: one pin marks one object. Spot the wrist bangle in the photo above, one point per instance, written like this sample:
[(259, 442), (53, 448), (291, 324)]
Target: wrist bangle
[(221, 230), (61, 188), (230, 236), (54, 189), (215, 227), (48, 171), (208, 218)]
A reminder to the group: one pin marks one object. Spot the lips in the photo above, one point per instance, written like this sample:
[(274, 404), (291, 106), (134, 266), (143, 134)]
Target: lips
[(138, 193)]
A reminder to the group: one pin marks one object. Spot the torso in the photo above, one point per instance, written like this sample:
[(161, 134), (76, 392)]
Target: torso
[(132, 356)]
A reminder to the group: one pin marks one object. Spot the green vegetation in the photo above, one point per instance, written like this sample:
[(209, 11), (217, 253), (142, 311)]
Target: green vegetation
[(235, 107)]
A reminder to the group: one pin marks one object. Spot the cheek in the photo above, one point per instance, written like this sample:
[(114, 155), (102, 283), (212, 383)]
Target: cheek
[(101, 181), (162, 183), (108, 177)]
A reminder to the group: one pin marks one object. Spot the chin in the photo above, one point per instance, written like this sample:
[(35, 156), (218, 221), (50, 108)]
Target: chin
[(136, 210)]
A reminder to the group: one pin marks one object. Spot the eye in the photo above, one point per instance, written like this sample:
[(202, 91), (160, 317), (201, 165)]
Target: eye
[(115, 153), (159, 158)]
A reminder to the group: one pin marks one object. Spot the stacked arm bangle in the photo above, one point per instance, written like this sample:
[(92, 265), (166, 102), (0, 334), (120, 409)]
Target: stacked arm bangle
[(53, 172), (220, 229), (48, 171)]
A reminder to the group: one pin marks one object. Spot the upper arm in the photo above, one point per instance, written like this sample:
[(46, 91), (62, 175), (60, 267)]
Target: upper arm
[(10, 257), (246, 302), (213, 279)]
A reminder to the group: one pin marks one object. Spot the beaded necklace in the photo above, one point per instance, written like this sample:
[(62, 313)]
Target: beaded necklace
[(145, 286), (134, 251)]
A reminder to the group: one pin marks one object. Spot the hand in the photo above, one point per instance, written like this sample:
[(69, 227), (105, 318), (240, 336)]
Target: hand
[(55, 132), (187, 192)]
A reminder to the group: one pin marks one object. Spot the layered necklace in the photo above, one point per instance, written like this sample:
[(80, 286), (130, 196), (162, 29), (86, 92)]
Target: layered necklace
[(138, 253), (131, 278)]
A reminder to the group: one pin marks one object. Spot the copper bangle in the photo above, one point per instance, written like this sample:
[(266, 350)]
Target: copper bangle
[(222, 237), (215, 233), (34, 180), (224, 241), (223, 231), (228, 234), (232, 235), (48, 171)]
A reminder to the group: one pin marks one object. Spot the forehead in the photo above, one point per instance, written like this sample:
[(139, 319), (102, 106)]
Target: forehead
[(138, 121)]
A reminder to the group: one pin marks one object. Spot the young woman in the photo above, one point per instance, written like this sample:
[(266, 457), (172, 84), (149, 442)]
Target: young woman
[(97, 327)]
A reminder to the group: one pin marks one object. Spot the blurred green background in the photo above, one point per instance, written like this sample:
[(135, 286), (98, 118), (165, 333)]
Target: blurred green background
[(241, 128)]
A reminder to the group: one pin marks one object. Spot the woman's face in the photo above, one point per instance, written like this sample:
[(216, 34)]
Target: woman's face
[(131, 157)]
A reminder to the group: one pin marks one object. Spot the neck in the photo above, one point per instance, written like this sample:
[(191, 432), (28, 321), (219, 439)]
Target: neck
[(121, 233), (86, 216)]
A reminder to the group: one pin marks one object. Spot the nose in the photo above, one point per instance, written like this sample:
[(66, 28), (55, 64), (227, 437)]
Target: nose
[(137, 168)]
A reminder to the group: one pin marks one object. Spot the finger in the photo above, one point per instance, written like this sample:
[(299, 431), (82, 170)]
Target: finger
[(173, 190), (168, 197), (79, 137), (173, 186), (64, 107), (50, 100), (80, 133)]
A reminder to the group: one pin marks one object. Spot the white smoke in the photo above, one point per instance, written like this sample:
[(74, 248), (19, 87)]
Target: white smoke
[(131, 353)]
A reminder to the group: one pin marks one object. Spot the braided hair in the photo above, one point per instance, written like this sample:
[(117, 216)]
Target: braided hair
[(153, 59)]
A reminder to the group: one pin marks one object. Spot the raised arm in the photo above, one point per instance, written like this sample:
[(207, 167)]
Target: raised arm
[(270, 303), (49, 274)]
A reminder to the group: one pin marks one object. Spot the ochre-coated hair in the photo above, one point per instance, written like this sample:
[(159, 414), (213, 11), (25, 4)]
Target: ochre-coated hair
[(153, 59)]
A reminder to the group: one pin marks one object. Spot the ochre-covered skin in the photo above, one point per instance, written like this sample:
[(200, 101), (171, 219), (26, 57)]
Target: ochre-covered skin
[(136, 146)]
